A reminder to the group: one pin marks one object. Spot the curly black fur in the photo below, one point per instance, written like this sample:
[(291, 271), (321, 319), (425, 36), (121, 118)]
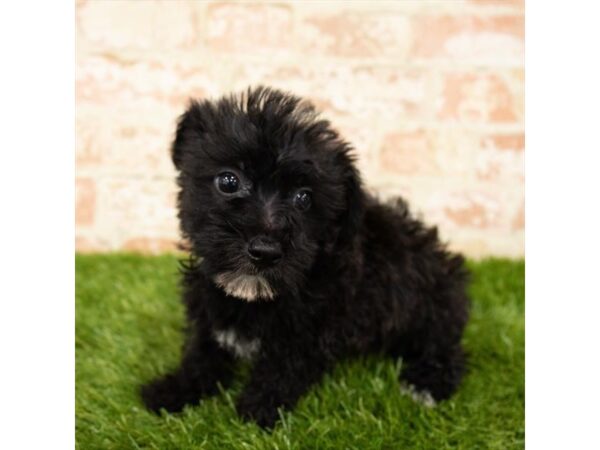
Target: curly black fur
[(355, 276)]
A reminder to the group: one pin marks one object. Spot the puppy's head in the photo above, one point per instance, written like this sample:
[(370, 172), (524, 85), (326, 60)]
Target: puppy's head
[(266, 187)]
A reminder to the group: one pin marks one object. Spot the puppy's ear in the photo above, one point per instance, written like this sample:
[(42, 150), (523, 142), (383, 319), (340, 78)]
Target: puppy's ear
[(190, 127), (352, 217)]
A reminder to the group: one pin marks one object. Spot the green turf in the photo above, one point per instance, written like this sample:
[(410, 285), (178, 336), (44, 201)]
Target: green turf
[(129, 322)]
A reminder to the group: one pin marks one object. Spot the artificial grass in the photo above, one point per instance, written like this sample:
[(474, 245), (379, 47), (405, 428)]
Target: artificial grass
[(129, 320)]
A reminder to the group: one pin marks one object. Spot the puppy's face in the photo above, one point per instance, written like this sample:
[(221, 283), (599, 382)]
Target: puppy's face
[(265, 188)]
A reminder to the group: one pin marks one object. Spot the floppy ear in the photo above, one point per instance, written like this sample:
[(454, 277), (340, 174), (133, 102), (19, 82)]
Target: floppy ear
[(190, 126), (353, 214)]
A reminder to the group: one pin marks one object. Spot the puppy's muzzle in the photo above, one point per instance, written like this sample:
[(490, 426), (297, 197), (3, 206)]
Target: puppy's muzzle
[(264, 250)]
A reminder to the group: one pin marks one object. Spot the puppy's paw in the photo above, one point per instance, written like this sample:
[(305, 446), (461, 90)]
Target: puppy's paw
[(265, 416), (166, 393), (423, 397)]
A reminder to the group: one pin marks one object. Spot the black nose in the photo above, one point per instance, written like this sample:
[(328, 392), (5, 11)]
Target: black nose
[(264, 249)]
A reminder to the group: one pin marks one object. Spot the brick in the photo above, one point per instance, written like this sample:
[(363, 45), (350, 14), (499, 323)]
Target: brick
[(517, 3), (338, 90), (136, 24), (83, 245), (457, 207), (393, 93), (492, 38), (482, 97), (511, 142), (479, 208), (464, 207), (132, 207), (126, 112), (482, 243), (361, 139), (518, 222), (501, 157), (91, 242), (473, 246), (152, 245), (124, 143), (409, 153), (110, 81), (258, 28), (88, 152), (473, 213), (450, 152), (357, 35), (85, 201)]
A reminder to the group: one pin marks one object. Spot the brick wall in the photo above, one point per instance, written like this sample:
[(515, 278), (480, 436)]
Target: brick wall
[(431, 93)]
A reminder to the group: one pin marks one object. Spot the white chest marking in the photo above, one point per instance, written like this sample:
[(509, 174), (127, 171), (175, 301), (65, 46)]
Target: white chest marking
[(240, 347)]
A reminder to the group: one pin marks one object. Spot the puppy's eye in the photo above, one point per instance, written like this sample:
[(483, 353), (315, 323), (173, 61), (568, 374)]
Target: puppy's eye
[(227, 182), (302, 199)]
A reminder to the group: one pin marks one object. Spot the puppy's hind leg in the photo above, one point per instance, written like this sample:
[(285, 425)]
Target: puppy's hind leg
[(432, 377)]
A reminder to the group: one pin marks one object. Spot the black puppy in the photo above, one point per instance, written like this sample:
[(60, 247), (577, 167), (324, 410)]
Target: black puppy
[(295, 267)]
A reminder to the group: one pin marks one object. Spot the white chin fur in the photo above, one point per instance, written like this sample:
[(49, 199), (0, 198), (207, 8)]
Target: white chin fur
[(246, 287)]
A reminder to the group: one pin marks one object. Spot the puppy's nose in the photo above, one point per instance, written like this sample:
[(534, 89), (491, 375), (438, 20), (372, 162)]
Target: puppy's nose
[(264, 249)]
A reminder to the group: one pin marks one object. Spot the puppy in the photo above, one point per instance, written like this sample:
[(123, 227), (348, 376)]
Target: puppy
[(294, 267)]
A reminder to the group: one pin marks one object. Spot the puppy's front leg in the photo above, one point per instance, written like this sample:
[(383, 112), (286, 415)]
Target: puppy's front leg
[(278, 380), (204, 365)]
